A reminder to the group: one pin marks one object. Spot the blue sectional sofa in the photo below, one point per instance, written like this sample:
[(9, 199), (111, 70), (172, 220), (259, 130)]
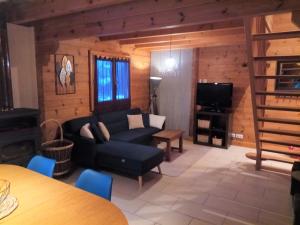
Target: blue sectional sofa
[(127, 151)]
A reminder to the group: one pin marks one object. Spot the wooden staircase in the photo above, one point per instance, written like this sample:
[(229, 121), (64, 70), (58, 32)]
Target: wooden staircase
[(277, 126)]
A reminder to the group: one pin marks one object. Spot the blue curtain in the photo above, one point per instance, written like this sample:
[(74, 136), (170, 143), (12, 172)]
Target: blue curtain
[(105, 80), (122, 80)]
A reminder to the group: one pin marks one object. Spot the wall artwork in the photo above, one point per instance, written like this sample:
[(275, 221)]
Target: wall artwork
[(64, 74)]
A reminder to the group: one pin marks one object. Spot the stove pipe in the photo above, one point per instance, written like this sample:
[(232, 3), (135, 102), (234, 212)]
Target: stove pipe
[(6, 98)]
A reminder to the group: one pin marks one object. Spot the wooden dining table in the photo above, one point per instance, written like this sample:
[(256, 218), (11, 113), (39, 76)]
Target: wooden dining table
[(46, 201)]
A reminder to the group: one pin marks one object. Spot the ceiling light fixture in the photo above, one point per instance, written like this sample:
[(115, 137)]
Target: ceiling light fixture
[(170, 61)]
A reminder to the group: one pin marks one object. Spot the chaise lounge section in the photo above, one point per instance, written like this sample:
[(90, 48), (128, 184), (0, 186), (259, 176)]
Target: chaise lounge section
[(127, 151)]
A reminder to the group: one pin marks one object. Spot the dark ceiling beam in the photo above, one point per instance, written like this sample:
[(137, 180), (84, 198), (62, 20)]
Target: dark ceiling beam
[(193, 45), (177, 30), (184, 37), (296, 17), (216, 39)]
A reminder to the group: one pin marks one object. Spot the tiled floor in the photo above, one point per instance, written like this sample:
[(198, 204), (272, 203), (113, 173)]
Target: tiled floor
[(220, 188)]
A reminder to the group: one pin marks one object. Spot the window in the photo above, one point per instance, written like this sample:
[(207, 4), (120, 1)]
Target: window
[(105, 81), (289, 72), (122, 80), (112, 84)]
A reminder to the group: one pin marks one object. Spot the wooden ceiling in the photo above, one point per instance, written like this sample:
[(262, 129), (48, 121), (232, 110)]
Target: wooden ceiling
[(69, 19), (32, 10), (146, 24)]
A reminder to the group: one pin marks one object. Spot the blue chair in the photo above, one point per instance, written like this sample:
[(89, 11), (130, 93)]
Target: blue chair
[(96, 183), (42, 165)]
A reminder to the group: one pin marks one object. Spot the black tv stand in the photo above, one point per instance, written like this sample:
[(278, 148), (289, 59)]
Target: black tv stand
[(214, 109), (212, 127)]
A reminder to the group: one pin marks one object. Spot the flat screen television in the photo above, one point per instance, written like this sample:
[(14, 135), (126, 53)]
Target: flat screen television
[(215, 95)]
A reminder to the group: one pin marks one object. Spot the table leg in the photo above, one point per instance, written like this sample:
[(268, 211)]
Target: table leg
[(168, 150), (180, 144)]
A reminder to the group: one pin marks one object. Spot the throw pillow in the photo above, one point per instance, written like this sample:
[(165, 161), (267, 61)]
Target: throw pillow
[(97, 133), (86, 132), (157, 121), (104, 130), (135, 121)]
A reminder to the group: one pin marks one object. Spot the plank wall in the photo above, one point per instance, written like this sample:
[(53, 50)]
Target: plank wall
[(66, 107), (229, 64)]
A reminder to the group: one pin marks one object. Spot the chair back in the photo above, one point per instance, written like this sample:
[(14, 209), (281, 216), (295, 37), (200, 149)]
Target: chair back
[(42, 165), (96, 183)]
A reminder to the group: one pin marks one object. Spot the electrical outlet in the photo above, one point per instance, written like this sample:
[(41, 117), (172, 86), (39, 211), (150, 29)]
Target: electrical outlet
[(233, 135), (239, 136)]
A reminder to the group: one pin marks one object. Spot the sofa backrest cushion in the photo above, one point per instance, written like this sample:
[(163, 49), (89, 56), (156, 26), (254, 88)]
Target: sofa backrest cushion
[(97, 133), (157, 121), (85, 131), (73, 126), (117, 121), (135, 121)]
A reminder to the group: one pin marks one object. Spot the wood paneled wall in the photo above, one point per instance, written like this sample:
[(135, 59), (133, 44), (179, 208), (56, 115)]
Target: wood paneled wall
[(65, 107), (229, 64)]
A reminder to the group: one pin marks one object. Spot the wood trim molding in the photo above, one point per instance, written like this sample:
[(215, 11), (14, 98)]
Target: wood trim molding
[(195, 72), (6, 96)]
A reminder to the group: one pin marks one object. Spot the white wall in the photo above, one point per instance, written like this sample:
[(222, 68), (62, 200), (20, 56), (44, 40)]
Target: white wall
[(21, 42), (174, 91)]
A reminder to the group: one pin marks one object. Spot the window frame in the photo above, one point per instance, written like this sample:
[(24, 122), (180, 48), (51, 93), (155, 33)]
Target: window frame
[(279, 71), (115, 104)]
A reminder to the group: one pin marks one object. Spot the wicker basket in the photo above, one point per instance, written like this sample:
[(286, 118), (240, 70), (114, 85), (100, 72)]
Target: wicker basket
[(217, 141), (60, 150), (203, 138), (203, 123)]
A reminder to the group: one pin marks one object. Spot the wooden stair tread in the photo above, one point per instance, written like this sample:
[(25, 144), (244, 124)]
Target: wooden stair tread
[(277, 35), (282, 132), (279, 142), (281, 108), (278, 158), (277, 76), (279, 58), (281, 151), (278, 93), (279, 120)]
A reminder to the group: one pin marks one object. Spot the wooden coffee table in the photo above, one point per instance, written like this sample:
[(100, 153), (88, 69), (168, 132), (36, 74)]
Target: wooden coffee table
[(168, 136)]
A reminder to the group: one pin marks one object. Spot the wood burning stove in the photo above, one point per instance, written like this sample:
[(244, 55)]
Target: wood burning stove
[(19, 135)]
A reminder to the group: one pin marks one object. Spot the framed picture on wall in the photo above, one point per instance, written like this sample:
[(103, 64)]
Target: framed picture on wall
[(290, 76), (64, 74)]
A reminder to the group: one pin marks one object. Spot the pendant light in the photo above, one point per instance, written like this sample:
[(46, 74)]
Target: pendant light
[(170, 61)]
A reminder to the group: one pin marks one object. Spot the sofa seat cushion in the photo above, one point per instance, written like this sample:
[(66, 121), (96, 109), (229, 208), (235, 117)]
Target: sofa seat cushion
[(135, 159), (139, 135)]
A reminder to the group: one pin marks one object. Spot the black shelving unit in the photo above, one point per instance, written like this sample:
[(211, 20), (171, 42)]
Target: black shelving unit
[(218, 125)]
